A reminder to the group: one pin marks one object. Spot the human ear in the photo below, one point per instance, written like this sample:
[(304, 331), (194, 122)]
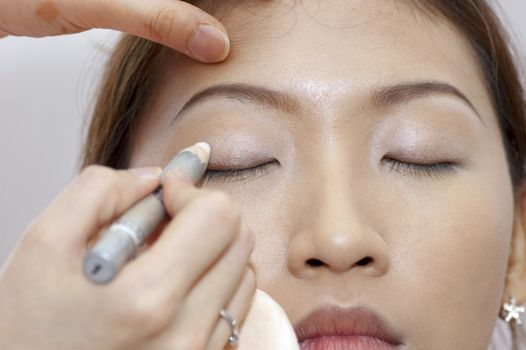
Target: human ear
[(516, 275)]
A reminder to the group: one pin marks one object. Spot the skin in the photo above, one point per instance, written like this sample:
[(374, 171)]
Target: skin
[(176, 24), (439, 245), (46, 301), (150, 303)]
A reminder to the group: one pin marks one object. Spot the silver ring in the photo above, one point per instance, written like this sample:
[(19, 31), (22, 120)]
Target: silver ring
[(233, 339)]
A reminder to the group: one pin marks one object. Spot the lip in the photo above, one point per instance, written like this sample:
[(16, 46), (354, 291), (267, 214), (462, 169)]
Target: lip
[(335, 328)]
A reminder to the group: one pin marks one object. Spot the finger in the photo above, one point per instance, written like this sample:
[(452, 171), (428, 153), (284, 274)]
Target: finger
[(198, 313), (190, 244), (238, 308), (97, 196), (215, 289), (178, 192), (176, 24), (3, 34)]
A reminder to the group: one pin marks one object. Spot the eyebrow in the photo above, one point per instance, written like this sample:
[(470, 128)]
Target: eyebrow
[(381, 97), (399, 94), (254, 94)]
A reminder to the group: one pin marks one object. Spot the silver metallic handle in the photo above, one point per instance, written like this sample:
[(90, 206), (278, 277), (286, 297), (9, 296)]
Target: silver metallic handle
[(121, 240)]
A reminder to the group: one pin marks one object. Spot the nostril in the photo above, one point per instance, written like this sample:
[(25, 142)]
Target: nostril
[(365, 261), (317, 263), (314, 263)]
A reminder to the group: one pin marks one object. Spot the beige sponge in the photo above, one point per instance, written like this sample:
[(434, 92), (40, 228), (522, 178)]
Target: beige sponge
[(267, 326)]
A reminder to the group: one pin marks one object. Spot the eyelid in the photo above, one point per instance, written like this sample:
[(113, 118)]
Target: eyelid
[(417, 168), (238, 161), (239, 174)]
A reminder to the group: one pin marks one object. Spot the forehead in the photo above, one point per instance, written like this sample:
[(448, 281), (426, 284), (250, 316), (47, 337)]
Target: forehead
[(325, 50)]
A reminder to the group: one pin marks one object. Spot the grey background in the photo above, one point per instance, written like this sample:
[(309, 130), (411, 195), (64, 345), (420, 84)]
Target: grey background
[(46, 89)]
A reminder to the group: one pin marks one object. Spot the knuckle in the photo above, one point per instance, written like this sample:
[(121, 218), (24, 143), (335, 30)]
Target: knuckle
[(141, 311), (3, 29), (36, 235), (97, 181), (164, 23), (96, 175)]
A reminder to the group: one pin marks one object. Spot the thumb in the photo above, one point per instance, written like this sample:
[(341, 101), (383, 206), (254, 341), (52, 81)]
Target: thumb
[(95, 198)]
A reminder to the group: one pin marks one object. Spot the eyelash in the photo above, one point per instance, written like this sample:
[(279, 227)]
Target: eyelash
[(237, 174), (416, 169), (431, 170)]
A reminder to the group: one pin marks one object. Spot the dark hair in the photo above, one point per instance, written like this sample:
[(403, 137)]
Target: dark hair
[(131, 74)]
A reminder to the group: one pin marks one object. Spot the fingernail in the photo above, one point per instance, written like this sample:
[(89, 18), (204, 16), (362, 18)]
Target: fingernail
[(146, 173), (209, 44)]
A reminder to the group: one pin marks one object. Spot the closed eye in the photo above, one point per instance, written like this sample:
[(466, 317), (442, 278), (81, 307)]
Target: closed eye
[(217, 175), (434, 169)]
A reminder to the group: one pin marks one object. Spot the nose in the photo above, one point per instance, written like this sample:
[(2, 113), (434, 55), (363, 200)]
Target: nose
[(336, 234)]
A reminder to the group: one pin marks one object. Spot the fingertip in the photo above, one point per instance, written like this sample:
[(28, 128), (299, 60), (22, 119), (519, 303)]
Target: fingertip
[(209, 44), (172, 183), (174, 176), (147, 173)]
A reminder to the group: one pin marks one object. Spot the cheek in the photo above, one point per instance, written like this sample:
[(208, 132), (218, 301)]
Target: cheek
[(265, 210), (454, 255)]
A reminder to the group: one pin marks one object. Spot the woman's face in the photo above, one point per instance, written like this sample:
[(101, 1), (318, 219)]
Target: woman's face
[(378, 178)]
